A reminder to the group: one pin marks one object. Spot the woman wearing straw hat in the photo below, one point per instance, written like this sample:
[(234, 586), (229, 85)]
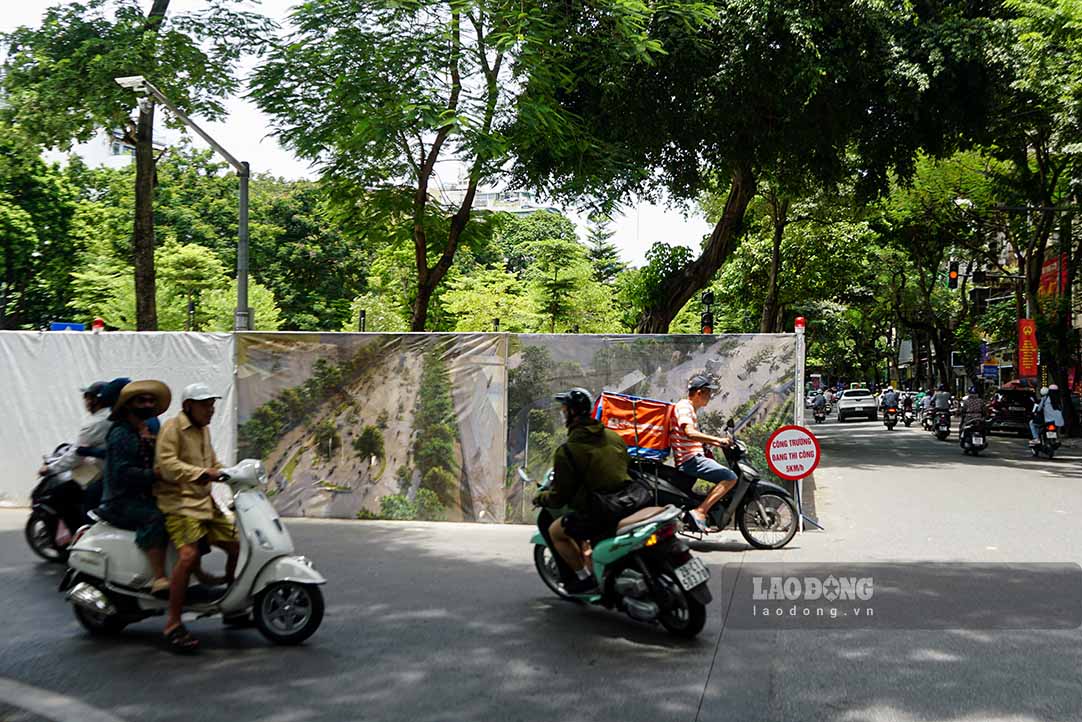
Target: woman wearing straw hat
[(127, 498)]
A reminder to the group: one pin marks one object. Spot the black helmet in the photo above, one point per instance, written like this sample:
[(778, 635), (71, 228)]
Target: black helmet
[(701, 381), (942, 387), (109, 395), (94, 389), (578, 401)]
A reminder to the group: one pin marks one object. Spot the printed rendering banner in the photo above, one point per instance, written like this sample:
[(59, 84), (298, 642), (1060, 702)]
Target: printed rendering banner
[(393, 426)]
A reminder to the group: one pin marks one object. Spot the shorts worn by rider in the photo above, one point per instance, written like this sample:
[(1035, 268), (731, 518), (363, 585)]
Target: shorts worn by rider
[(593, 460), (690, 455)]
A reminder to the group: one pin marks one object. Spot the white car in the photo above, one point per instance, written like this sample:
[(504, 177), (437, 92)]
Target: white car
[(859, 403)]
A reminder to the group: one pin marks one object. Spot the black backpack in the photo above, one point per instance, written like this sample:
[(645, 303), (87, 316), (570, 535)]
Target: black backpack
[(609, 507)]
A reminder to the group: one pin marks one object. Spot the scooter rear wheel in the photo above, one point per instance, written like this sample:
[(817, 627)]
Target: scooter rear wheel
[(40, 534), (289, 612), (548, 571), (687, 617)]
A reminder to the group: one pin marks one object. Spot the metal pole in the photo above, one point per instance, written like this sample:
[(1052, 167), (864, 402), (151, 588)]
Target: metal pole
[(243, 316)]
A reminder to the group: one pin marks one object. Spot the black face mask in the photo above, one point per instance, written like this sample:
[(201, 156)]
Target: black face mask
[(144, 414)]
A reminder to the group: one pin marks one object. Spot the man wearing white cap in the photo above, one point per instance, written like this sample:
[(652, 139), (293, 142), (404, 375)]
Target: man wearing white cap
[(188, 465)]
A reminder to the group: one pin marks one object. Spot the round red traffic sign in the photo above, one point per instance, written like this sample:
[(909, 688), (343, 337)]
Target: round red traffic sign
[(792, 452)]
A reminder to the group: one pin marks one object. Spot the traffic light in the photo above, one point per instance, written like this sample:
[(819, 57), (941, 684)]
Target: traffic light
[(708, 298), (952, 275), (978, 297), (708, 322)]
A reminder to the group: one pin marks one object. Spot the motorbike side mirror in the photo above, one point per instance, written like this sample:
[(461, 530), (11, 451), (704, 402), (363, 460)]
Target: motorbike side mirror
[(522, 475), (730, 425)]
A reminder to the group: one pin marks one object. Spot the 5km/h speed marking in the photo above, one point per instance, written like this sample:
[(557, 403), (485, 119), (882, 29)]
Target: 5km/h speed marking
[(792, 452)]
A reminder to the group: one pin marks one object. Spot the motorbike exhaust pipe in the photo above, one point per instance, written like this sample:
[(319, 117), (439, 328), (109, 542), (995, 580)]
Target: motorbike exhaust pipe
[(643, 611), (91, 598)]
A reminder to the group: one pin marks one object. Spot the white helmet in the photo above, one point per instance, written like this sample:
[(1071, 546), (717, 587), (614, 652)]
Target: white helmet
[(1044, 391), (197, 392)]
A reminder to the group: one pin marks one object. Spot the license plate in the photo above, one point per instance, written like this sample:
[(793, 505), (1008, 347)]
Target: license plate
[(942, 428), (1052, 436), (692, 574), (978, 440), (858, 408)]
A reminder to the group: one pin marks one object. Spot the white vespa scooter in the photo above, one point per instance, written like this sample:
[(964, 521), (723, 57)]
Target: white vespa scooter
[(107, 576)]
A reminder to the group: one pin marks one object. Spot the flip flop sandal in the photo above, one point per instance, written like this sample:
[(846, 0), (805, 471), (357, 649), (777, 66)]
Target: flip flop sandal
[(160, 588), (700, 524), (180, 641)]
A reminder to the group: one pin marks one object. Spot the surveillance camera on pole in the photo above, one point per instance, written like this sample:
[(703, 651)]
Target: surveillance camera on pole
[(135, 83)]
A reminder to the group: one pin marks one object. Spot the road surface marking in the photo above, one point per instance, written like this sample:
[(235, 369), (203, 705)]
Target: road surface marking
[(50, 705)]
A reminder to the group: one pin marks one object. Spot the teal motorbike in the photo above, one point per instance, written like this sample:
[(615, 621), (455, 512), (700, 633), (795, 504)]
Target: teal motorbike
[(645, 570)]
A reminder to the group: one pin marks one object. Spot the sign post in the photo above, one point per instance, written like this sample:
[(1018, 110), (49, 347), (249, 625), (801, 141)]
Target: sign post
[(792, 453)]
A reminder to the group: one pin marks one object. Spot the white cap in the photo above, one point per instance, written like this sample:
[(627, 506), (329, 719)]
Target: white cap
[(197, 392)]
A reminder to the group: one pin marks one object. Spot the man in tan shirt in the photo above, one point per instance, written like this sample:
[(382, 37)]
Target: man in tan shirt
[(188, 465)]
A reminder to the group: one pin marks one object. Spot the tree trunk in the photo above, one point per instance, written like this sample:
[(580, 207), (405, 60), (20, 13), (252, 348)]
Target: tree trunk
[(146, 304), (681, 286), (146, 300), (771, 318)]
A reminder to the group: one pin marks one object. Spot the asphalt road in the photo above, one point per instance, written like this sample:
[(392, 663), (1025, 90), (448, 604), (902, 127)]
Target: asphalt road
[(431, 622)]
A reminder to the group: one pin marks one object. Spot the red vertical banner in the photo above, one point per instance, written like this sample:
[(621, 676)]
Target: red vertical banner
[(1027, 348)]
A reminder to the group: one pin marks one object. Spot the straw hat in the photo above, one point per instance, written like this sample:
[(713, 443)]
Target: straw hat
[(156, 389)]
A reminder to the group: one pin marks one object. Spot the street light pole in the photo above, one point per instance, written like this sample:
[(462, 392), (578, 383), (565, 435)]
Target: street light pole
[(242, 316)]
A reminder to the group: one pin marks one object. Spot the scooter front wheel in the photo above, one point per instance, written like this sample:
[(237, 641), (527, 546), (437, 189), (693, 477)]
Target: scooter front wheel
[(545, 562), (768, 520), (289, 612)]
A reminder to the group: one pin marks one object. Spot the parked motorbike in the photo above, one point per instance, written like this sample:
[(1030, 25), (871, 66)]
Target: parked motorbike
[(56, 512), (820, 415), (765, 513), (108, 575), (644, 571), (974, 437), (890, 417), (1048, 441), (942, 424)]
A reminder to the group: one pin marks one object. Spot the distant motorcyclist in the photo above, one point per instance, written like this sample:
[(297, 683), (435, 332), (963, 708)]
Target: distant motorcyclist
[(942, 399), (819, 402), (972, 407), (927, 402), (907, 402), (592, 461), (1045, 411), (889, 400)]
